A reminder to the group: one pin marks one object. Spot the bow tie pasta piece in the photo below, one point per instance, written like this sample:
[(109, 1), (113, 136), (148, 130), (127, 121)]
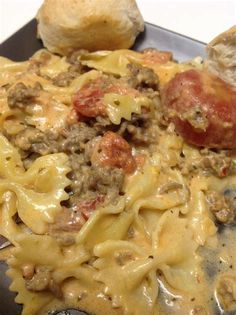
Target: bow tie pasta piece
[(50, 263), (39, 190), (129, 278), (109, 62), (123, 106)]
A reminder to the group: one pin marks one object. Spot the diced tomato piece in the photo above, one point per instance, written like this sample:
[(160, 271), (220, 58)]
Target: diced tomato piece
[(72, 220), (203, 109), (88, 101), (114, 151), (87, 207), (153, 56)]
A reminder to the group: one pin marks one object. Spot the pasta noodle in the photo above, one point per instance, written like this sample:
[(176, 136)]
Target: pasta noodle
[(47, 175), (119, 106)]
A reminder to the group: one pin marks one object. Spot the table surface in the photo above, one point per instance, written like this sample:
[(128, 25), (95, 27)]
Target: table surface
[(199, 19)]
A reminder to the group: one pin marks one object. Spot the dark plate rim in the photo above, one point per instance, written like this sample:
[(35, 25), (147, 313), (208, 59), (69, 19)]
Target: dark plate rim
[(176, 33), (149, 23)]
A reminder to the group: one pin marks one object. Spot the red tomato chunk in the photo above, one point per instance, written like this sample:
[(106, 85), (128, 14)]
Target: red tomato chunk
[(203, 109)]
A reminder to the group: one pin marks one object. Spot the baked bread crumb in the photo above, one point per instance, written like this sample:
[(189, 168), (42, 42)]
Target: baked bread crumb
[(222, 56)]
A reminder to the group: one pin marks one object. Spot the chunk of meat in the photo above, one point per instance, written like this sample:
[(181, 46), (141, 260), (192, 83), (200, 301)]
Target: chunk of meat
[(88, 101), (221, 207), (67, 221), (226, 292), (64, 79), (75, 137), (113, 151), (33, 140), (70, 139), (42, 281), (218, 165), (106, 181), (153, 56), (230, 195), (211, 162), (142, 129), (21, 95), (90, 181), (202, 108), (142, 77)]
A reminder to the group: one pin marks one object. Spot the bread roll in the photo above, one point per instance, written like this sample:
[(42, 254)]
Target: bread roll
[(67, 25), (222, 56)]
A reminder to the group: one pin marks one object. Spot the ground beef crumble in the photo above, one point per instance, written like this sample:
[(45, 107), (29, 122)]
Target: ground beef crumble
[(226, 292), (219, 163), (221, 207), (21, 95), (142, 77), (64, 79)]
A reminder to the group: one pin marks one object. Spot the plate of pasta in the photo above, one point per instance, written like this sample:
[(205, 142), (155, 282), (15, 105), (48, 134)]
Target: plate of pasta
[(118, 178)]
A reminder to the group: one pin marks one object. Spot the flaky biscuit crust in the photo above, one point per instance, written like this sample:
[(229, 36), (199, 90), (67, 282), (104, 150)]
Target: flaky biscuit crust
[(65, 26)]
